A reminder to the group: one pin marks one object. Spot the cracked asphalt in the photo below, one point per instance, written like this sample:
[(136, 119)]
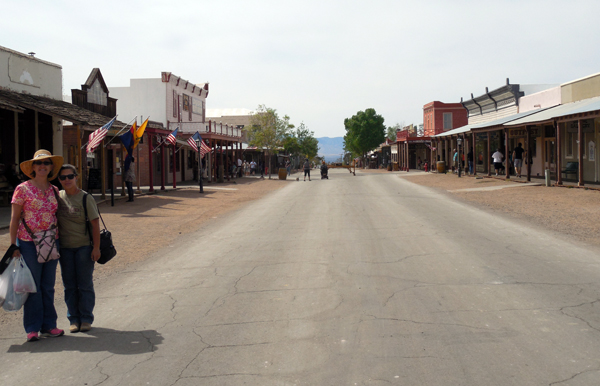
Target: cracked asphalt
[(356, 280)]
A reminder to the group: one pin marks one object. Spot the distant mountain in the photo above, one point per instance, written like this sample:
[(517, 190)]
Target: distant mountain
[(331, 148)]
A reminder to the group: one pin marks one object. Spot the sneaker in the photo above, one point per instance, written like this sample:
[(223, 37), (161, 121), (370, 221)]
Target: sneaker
[(55, 332), (74, 328), (85, 327), (32, 337)]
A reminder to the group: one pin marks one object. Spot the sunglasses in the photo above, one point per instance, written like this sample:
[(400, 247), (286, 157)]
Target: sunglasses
[(64, 177), (42, 163)]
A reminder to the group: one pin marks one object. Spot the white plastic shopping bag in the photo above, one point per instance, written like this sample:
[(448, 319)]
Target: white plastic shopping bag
[(13, 301), (23, 280), (4, 279)]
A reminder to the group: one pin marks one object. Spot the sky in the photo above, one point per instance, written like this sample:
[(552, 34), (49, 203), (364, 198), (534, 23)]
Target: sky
[(317, 61)]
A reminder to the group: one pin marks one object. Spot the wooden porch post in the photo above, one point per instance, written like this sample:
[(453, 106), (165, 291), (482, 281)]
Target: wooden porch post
[(174, 165), (227, 157), (581, 148), (489, 156), (528, 158), (506, 135), (151, 169), (407, 156), (558, 154), (103, 170), (123, 156), (162, 168), (79, 168), (474, 155)]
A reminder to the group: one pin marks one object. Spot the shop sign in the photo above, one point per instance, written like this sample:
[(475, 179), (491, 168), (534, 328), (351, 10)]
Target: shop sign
[(535, 132), (91, 155), (586, 126)]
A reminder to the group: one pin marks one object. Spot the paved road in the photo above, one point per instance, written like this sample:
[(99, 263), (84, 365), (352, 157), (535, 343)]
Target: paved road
[(366, 280)]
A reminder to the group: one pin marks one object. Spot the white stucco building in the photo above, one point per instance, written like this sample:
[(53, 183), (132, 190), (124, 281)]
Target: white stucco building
[(170, 100)]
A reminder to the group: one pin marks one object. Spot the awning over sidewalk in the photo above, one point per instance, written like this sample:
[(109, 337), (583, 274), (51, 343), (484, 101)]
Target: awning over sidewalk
[(489, 124), (458, 130), (18, 102), (584, 106)]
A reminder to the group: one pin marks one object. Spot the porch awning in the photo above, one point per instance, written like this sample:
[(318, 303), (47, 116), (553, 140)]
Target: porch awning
[(488, 124), (503, 120), (584, 106), (60, 109), (458, 130)]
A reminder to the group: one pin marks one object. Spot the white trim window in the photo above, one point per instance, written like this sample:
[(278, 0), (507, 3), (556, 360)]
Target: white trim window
[(447, 121)]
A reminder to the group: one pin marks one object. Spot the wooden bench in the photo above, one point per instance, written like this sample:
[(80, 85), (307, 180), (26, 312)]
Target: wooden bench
[(572, 168)]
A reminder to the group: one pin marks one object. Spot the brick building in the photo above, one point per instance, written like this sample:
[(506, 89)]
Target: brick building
[(439, 117)]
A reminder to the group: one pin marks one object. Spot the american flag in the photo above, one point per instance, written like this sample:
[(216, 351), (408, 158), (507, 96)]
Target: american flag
[(192, 141), (97, 136), (204, 149), (172, 138)]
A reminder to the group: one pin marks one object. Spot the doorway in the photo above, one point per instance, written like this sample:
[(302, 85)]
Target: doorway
[(550, 155)]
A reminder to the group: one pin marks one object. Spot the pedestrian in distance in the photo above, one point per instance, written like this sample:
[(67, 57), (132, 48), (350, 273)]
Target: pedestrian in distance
[(518, 158), (470, 161), (455, 162), (130, 179), (306, 167), (324, 169), (252, 168), (497, 157), (34, 205), (78, 251)]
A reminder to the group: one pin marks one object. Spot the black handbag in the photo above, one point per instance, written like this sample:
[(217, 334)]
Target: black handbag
[(107, 249)]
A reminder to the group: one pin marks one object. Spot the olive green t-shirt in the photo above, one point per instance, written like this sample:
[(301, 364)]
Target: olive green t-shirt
[(71, 219)]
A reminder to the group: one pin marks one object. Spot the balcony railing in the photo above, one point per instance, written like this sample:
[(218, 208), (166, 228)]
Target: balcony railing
[(208, 127)]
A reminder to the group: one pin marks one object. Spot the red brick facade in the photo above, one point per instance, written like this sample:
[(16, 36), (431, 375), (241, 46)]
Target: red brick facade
[(433, 117)]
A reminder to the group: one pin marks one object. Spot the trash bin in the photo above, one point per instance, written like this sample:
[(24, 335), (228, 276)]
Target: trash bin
[(282, 173), (441, 167)]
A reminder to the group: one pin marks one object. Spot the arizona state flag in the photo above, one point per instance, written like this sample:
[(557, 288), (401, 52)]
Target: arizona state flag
[(139, 132)]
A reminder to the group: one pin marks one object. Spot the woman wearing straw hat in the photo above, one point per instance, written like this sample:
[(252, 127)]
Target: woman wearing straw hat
[(34, 206)]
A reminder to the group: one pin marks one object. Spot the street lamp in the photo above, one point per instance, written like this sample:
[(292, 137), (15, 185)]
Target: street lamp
[(458, 143), (198, 144)]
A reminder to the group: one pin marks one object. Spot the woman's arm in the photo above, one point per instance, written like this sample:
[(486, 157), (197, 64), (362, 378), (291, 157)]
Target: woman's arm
[(15, 217), (96, 239)]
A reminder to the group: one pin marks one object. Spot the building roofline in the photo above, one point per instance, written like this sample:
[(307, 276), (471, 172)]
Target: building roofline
[(2, 48)]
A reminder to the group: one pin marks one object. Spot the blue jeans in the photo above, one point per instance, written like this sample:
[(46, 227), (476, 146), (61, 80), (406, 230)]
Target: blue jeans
[(470, 167), (77, 268), (39, 313)]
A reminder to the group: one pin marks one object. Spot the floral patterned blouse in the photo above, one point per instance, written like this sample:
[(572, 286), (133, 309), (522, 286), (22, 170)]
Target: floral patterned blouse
[(39, 208)]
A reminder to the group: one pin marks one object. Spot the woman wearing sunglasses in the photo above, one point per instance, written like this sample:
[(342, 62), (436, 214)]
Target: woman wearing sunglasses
[(34, 206), (77, 254)]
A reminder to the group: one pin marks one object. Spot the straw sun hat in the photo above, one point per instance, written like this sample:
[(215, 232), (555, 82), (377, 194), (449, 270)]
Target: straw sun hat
[(40, 155)]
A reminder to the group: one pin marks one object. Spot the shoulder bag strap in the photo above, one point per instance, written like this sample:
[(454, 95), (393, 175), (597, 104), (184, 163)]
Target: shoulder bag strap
[(86, 215), (88, 229)]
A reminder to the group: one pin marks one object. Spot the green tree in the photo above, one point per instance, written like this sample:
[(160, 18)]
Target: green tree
[(364, 132), (268, 131), (391, 131), (309, 145)]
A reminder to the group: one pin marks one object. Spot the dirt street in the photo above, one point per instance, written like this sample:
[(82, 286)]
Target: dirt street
[(572, 212), (151, 222)]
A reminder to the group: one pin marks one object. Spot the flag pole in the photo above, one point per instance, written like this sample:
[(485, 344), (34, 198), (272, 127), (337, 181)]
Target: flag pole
[(120, 131)]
